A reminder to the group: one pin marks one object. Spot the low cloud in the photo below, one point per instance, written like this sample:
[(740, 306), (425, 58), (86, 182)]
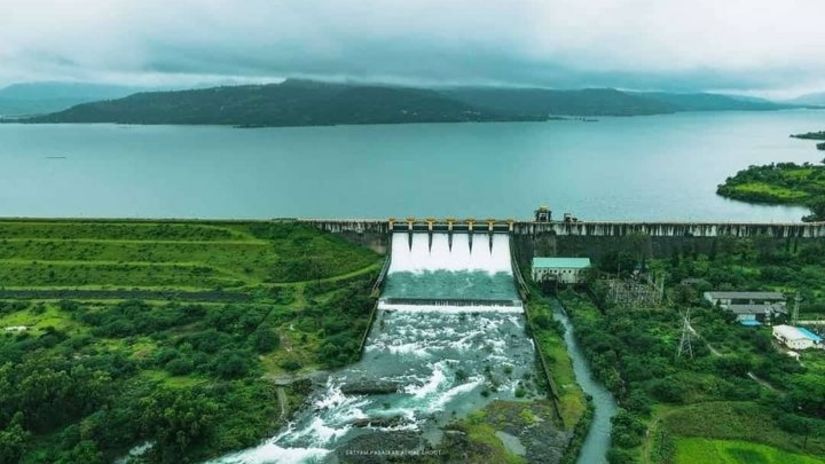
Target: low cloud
[(756, 46)]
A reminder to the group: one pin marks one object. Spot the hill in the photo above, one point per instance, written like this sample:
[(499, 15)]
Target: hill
[(586, 102), (291, 103), (297, 102), (810, 99), (714, 102), (26, 99)]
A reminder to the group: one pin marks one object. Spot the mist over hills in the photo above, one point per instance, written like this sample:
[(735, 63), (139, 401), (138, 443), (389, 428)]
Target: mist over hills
[(30, 98), (810, 99), (297, 102)]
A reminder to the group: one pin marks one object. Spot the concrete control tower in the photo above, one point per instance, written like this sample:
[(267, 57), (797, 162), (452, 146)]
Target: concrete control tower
[(543, 214)]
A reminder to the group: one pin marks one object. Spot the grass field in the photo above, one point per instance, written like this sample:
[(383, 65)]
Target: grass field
[(701, 450), (186, 256), (739, 421)]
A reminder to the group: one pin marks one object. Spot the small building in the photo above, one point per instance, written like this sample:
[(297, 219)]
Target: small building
[(725, 299), (543, 214), (750, 308), (754, 314), (562, 270), (796, 338)]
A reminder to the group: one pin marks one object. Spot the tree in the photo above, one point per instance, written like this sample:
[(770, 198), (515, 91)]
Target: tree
[(231, 364), (797, 425), (13, 441), (265, 340), (86, 452), (177, 420), (684, 295), (817, 206)]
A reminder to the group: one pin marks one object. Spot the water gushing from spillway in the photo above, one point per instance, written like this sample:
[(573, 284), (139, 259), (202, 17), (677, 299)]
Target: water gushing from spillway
[(424, 364)]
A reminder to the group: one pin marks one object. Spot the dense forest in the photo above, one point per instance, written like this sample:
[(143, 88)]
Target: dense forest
[(296, 102)]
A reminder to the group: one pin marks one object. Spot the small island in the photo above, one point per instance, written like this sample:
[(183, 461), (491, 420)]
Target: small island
[(810, 136), (780, 183), (820, 146)]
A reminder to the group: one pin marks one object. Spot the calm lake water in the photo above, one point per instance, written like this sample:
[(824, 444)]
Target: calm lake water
[(653, 167)]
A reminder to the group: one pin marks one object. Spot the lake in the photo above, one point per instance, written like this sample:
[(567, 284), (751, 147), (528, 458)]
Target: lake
[(645, 168)]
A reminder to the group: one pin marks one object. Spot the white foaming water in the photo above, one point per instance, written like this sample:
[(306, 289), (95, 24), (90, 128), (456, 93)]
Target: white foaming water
[(432, 384), (448, 309), (438, 403), (270, 453), (421, 257)]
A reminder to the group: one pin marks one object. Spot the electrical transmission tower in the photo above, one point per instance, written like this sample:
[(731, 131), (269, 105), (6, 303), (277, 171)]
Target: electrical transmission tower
[(685, 348)]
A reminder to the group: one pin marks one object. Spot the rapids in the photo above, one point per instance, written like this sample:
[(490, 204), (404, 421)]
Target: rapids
[(424, 364)]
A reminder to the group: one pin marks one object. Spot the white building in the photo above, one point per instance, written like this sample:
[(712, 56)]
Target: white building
[(562, 270), (796, 338)]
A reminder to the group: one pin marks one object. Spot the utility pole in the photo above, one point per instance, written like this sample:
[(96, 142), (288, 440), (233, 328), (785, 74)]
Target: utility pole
[(685, 348), (795, 311)]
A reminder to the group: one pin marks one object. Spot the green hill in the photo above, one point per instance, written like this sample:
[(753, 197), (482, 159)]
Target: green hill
[(296, 102), (291, 103)]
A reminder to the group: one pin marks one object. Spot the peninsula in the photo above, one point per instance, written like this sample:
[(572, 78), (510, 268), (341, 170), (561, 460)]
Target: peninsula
[(780, 183)]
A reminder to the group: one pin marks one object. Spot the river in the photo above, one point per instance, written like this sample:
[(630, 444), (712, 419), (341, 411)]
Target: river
[(595, 446), (424, 364), (647, 168)]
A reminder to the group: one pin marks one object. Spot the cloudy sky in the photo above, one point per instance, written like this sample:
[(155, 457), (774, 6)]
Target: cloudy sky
[(763, 47)]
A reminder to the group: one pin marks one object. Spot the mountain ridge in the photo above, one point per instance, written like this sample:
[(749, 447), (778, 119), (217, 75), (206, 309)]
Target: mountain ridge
[(302, 102)]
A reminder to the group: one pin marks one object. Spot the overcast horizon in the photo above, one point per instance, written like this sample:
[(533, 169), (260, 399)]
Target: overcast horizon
[(758, 48)]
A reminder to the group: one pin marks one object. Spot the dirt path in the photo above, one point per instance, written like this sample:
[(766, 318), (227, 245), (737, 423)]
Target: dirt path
[(283, 402), (715, 352)]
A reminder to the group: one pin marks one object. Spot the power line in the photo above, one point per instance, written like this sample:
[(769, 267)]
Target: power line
[(685, 347)]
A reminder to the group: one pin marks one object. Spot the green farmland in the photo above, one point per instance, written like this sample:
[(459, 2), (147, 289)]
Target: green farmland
[(691, 450), (118, 333)]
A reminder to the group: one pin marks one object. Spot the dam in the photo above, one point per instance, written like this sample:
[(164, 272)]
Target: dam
[(448, 338), (573, 237)]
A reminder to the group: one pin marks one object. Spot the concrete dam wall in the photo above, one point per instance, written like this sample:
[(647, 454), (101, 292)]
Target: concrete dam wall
[(584, 238), (374, 227)]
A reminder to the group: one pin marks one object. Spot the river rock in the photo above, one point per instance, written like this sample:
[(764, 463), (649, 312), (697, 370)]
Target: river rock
[(369, 387), (378, 421)]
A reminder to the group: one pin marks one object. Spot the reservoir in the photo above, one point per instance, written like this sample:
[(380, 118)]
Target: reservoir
[(662, 167)]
